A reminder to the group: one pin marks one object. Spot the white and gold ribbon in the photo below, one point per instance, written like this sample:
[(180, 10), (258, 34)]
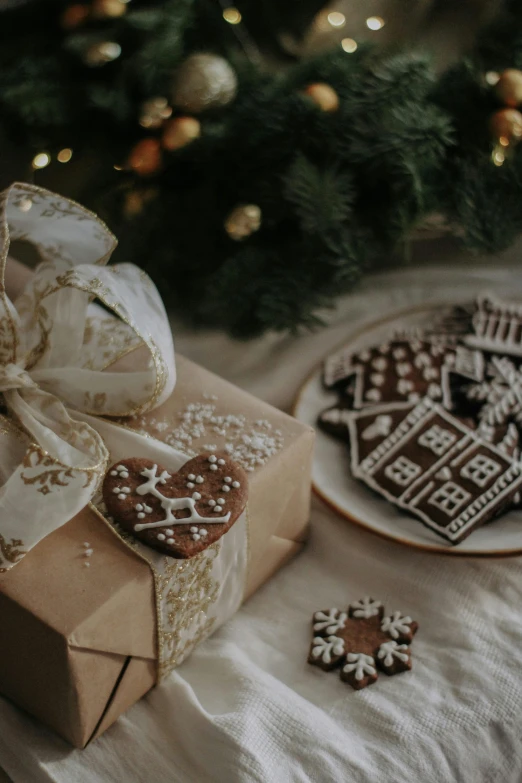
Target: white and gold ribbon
[(56, 349)]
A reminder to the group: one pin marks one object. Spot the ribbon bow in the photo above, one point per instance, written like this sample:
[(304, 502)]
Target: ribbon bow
[(57, 347)]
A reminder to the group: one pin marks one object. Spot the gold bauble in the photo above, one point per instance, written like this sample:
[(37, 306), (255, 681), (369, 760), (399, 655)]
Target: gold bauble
[(145, 157), (154, 112), (102, 53), (506, 126), (508, 89), (74, 16), (324, 96), (180, 132), (243, 221), (203, 81), (108, 9), (135, 201)]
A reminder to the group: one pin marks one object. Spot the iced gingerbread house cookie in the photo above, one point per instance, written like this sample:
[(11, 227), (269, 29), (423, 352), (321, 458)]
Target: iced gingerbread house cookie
[(434, 466)]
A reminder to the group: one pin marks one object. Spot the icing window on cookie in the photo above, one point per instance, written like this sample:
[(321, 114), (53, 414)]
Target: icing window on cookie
[(437, 439), (403, 471), (449, 498), (480, 469)]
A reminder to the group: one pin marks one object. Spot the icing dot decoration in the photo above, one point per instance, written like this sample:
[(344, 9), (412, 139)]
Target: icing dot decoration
[(212, 458), (196, 496), (227, 480), (236, 484), (213, 467)]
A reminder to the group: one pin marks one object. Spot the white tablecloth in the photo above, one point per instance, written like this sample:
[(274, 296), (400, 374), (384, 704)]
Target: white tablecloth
[(247, 707)]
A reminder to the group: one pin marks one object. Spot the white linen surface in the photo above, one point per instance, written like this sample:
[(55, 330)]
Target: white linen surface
[(247, 707)]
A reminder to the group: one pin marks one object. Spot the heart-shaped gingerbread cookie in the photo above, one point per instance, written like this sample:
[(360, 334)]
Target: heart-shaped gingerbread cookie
[(179, 514)]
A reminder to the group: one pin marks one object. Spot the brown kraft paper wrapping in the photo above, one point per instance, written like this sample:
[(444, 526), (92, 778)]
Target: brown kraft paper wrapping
[(78, 645)]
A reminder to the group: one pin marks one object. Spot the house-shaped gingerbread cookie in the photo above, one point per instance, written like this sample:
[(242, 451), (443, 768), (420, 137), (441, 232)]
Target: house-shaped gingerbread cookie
[(427, 461)]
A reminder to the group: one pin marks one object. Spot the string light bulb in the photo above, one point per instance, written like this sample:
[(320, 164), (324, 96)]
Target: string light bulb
[(375, 22), (336, 19), (65, 155), (492, 78), (41, 160), (101, 53), (232, 15), (349, 45), (498, 156)]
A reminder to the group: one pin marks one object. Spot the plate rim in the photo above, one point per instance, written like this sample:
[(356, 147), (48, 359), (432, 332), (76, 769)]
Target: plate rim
[(312, 375)]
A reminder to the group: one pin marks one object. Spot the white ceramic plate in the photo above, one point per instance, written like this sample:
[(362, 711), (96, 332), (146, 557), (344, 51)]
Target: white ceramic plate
[(352, 499)]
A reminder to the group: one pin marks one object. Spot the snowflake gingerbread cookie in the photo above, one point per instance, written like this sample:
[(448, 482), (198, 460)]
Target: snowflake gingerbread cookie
[(361, 641), (179, 514)]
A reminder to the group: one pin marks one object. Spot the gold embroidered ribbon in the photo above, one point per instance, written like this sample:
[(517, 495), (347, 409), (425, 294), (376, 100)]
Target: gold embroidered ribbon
[(52, 358)]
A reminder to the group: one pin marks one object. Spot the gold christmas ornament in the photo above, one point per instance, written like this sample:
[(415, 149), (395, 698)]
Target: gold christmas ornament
[(506, 126), (508, 89), (135, 201), (74, 16), (324, 96), (102, 53), (154, 112), (108, 9), (180, 132), (243, 221), (204, 81), (145, 157)]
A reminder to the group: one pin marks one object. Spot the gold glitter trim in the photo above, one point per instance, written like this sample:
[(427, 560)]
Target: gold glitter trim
[(184, 591)]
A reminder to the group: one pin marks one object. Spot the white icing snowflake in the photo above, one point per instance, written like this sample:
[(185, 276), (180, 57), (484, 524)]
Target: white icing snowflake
[(396, 624), (390, 650), (361, 664), (323, 648), (501, 393), (366, 607), (332, 621)]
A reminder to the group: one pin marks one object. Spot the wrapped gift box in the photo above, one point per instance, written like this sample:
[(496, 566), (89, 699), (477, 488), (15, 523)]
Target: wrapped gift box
[(78, 645)]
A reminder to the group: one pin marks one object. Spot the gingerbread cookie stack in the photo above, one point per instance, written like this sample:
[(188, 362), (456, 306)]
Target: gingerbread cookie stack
[(433, 419)]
